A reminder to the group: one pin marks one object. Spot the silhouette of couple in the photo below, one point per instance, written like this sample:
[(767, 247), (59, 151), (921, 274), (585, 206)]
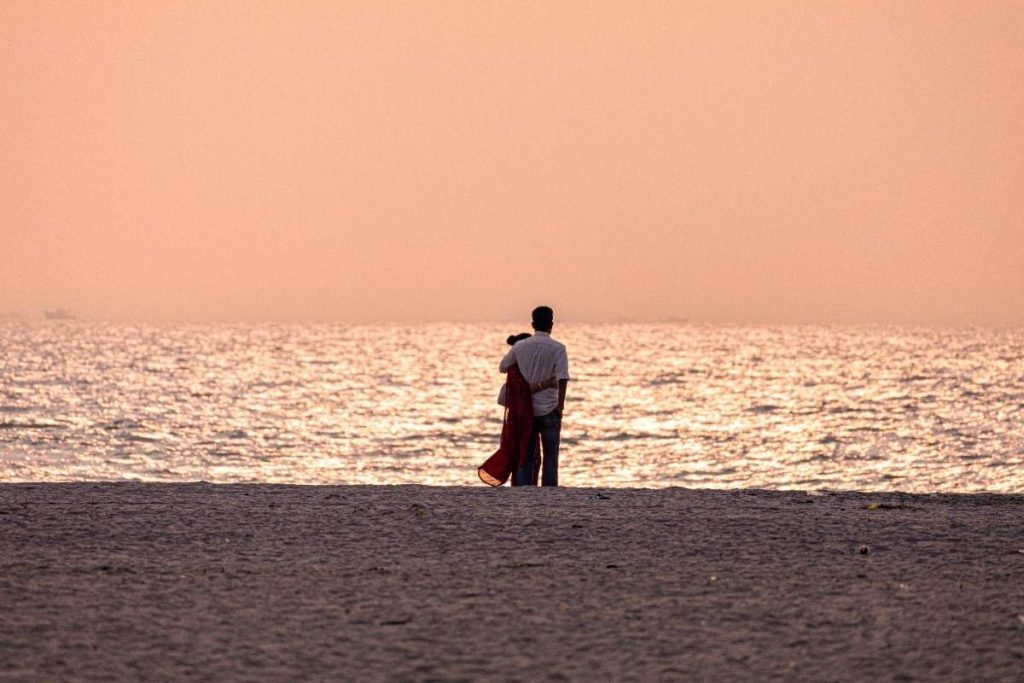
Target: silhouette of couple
[(537, 373)]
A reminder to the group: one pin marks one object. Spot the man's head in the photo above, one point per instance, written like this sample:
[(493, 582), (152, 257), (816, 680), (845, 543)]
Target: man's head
[(543, 318)]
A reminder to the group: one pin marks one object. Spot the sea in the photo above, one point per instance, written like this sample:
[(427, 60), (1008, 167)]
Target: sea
[(649, 405)]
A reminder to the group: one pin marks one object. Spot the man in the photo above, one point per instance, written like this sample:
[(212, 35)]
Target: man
[(543, 363)]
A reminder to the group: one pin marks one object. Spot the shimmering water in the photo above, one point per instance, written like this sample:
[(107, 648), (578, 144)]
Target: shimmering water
[(650, 405)]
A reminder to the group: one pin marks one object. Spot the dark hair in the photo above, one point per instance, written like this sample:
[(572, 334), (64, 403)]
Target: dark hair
[(513, 338), (543, 318)]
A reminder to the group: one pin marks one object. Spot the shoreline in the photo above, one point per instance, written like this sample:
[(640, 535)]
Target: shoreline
[(476, 484), (129, 580)]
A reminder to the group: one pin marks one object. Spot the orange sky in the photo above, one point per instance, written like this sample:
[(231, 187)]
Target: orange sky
[(721, 161)]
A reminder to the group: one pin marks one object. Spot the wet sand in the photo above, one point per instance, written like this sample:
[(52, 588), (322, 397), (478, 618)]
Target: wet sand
[(258, 582)]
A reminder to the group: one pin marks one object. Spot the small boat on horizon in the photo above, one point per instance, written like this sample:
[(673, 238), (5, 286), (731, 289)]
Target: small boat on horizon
[(58, 314)]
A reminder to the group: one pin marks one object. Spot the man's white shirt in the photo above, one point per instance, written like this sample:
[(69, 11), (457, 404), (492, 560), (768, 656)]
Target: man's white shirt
[(539, 357)]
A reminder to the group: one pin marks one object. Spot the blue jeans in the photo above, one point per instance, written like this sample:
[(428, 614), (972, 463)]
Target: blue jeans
[(548, 428)]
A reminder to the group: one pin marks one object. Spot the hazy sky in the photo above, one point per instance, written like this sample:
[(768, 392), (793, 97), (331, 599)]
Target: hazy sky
[(722, 161)]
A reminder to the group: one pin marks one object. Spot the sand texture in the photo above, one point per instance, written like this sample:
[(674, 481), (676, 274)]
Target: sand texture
[(257, 582)]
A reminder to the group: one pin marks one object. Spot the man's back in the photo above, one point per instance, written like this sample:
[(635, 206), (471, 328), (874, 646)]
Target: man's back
[(540, 358)]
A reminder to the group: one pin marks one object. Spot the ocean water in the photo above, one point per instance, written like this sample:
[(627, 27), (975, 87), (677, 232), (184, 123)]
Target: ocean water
[(869, 408)]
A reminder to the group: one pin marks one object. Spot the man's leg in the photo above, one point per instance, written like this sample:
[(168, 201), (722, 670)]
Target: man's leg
[(524, 476), (550, 428)]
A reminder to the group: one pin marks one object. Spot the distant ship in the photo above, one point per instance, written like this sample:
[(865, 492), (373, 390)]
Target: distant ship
[(58, 314)]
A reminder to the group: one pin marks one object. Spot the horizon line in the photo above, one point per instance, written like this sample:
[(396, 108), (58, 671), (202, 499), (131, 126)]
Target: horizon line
[(16, 316)]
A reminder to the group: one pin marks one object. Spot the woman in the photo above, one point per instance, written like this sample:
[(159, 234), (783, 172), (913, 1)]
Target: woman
[(513, 449)]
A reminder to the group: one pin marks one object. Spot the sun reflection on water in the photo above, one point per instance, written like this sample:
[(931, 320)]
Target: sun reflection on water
[(649, 405)]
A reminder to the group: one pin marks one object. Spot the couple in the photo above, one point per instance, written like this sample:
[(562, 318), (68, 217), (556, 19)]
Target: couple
[(537, 369)]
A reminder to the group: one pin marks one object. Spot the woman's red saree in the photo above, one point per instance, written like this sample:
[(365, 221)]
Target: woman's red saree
[(515, 434)]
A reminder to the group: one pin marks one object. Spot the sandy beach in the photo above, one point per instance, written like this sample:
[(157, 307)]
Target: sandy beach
[(259, 582)]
